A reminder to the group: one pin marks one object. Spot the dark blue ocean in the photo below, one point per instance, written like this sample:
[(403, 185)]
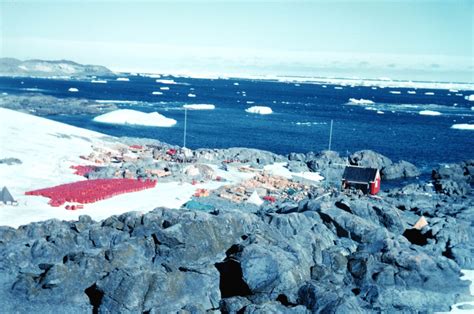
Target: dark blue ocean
[(301, 118)]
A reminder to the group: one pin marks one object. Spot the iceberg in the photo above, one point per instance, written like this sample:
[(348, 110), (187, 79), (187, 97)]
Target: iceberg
[(396, 92), (337, 87), (157, 93), (470, 97), (380, 112), (99, 81), (463, 126), (165, 88), (123, 79), (73, 90), (191, 95), (259, 110), (164, 81), (429, 93), (199, 107), (429, 113), (354, 101), (412, 92), (133, 117)]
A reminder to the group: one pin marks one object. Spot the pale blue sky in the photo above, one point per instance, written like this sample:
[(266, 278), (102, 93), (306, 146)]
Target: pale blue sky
[(430, 40)]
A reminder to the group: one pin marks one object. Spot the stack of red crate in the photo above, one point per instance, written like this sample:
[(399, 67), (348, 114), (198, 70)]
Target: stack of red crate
[(91, 191)]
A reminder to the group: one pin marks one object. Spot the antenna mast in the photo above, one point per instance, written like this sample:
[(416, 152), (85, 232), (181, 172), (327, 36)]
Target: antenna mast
[(330, 136), (185, 124)]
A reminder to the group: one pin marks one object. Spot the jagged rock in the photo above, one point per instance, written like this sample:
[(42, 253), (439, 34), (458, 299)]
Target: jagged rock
[(399, 170), (369, 158)]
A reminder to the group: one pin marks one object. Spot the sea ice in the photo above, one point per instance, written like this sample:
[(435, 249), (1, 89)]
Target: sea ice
[(354, 101), (123, 79), (470, 97), (99, 81), (463, 126), (191, 95), (165, 88), (127, 116), (199, 106), (412, 92), (429, 93), (73, 90), (396, 92), (157, 93), (429, 113), (165, 81), (259, 110)]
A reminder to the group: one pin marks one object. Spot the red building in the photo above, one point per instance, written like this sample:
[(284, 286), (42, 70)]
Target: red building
[(365, 179)]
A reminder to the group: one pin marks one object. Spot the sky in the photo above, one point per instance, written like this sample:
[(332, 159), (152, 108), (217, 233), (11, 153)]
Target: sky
[(413, 40)]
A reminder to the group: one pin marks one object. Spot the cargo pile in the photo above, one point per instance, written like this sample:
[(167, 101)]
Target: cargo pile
[(91, 191)]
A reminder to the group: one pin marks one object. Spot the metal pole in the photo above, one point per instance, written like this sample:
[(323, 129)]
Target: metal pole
[(330, 136), (185, 123)]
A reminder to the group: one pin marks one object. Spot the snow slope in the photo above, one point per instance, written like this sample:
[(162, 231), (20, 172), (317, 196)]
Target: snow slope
[(47, 149)]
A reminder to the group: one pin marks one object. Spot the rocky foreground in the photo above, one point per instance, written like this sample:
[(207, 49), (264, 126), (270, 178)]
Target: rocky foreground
[(339, 252)]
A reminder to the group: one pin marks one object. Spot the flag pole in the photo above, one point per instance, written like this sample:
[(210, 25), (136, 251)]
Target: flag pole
[(330, 135)]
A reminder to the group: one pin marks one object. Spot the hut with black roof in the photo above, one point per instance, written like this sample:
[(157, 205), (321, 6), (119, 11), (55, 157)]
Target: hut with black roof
[(365, 179)]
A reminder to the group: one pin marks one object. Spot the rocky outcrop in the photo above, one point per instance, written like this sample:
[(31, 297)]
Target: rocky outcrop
[(42, 105), (454, 179), (45, 68), (335, 253), (389, 170)]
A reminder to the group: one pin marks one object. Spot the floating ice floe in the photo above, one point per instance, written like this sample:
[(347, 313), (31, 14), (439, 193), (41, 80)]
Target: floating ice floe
[(236, 84), (165, 81), (199, 106), (250, 102), (429, 113), (191, 95), (73, 90), (99, 81), (165, 88), (123, 79), (337, 87), (133, 117), (354, 101), (396, 92), (470, 97), (429, 93), (371, 108), (259, 110), (412, 92), (157, 93), (463, 126), (380, 112)]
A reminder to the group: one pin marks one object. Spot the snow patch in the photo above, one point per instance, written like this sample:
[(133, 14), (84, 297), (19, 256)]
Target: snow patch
[(259, 110), (133, 117)]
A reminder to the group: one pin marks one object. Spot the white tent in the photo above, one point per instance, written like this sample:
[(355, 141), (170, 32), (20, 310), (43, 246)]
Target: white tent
[(255, 199)]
